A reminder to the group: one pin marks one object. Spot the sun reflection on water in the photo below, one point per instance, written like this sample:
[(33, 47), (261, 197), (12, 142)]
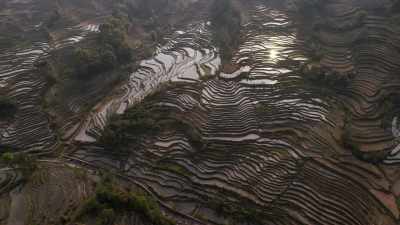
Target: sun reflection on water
[(273, 54)]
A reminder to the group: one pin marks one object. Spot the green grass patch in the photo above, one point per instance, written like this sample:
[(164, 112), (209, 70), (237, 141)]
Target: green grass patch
[(173, 167)]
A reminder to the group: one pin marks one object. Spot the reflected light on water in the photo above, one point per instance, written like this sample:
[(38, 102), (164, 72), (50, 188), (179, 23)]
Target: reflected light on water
[(273, 54)]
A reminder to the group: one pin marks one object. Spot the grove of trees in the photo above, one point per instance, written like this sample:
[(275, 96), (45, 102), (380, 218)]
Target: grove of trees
[(226, 21), (22, 162), (109, 50)]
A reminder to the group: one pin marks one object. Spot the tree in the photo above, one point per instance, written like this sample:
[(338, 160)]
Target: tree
[(110, 49), (108, 59), (114, 34), (82, 60), (226, 25), (91, 61)]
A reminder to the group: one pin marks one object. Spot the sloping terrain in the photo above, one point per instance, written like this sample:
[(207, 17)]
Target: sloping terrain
[(271, 140), (302, 131)]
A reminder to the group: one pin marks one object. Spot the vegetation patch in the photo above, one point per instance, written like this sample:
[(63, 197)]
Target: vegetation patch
[(206, 74), (131, 127), (22, 162), (396, 6), (239, 213), (8, 41), (327, 77), (89, 70), (262, 108), (110, 49), (8, 108), (110, 201), (173, 167), (143, 120), (105, 51), (226, 24)]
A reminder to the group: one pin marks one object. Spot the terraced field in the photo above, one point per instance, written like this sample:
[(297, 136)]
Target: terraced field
[(24, 84), (178, 60), (271, 140), (304, 133)]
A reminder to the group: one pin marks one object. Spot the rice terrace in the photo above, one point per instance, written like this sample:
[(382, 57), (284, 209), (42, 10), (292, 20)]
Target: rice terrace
[(199, 112)]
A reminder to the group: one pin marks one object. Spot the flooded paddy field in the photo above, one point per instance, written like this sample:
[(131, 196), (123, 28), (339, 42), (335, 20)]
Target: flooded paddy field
[(287, 138)]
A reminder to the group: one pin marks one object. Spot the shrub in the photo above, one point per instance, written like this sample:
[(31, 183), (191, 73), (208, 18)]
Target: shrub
[(141, 121), (110, 49), (21, 161), (130, 127), (106, 216), (114, 34), (7, 158), (108, 59), (109, 200), (239, 213), (261, 108)]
